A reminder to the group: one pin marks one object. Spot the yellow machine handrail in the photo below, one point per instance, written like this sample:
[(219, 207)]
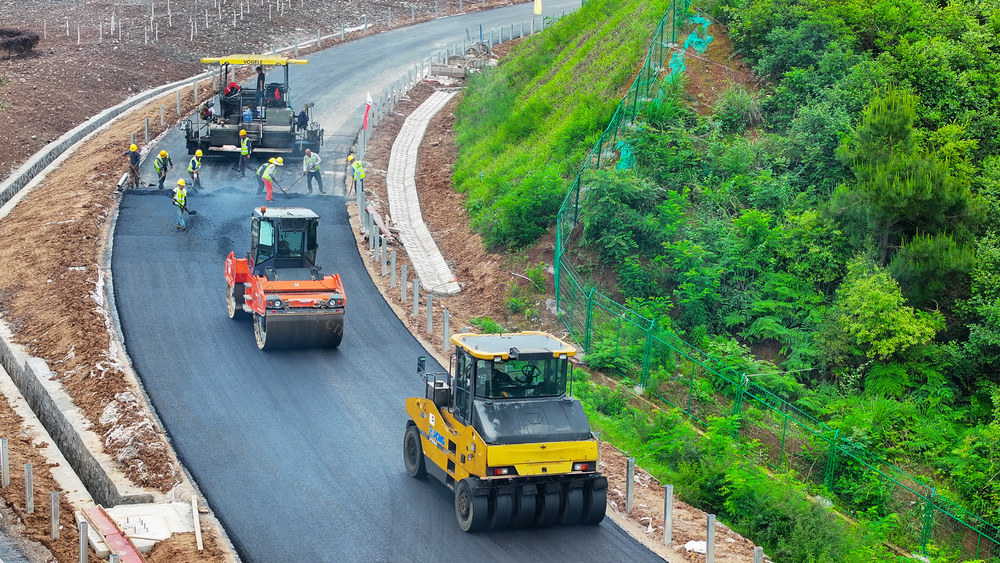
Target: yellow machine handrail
[(269, 60)]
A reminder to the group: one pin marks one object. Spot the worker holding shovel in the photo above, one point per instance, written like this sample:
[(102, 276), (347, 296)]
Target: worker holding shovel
[(194, 167), (269, 177), (180, 200)]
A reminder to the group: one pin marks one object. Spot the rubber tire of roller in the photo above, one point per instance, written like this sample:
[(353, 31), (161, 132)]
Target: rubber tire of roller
[(547, 514), (595, 505), (572, 510), (524, 510), (472, 512), (501, 510), (413, 453)]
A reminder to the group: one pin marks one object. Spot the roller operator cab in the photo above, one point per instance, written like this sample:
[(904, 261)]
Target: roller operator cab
[(268, 117), (292, 303), (501, 431)]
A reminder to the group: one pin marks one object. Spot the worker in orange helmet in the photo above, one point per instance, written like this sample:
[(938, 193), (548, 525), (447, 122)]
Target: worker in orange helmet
[(269, 176)]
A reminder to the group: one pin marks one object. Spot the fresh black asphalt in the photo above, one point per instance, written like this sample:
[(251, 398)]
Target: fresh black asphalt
[(299, 453)]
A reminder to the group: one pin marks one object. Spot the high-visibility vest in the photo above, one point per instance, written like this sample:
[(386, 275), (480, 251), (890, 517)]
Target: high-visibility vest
[(312, 163), (359, 171), (160, 164), (194, 165), (261, 168), (180, 196), (269, 170), (245, 146)]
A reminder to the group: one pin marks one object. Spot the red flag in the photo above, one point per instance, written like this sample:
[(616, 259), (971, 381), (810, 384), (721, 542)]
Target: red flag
[(368, 108)]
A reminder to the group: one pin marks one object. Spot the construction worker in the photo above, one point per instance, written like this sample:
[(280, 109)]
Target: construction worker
[(193, 167), (269, 176), (161, 165), (302, 121), (245, 150), (310, 167), (133, 166), (260, 176), (259, 98), (180, 200), (359, 172)]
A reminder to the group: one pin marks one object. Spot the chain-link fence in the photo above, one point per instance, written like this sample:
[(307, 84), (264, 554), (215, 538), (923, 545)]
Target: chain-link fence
[(619, 339)]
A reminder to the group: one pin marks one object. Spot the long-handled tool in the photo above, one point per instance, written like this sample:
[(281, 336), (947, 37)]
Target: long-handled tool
[(297, 180), (188, 211)]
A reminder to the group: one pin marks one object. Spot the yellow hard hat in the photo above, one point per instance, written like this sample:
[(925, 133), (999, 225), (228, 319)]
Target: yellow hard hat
[(163, 153), (180, 182), (271, 160), (243, 132), (279, 161), (133, 148), (198, 152), (350, 157)]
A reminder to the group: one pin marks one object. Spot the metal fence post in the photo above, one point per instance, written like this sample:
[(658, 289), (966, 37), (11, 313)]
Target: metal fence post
[(445, 330), (29, 490), (196, 91), (590, 312), (831, 461), (710, 540), (668, 514), (83, 541), (925, 533), (179, 111), (147, 130), (163, 121), (738, 404), (629, 484), (392, 269), (54, 513), (416, 296), (430, 313), (758, 554), (402, 284)]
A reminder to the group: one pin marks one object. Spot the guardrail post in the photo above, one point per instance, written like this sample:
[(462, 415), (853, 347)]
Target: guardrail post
[(402, 284), (629, 484), (179, 109), (445, 330), (54, 513), (392, 269), (195, 90), (758, 554), (147, 130), (163, 121), (4, 463), (668, 514), (385, 256), (416, 296), (29, 490), (710, 540), (430, 313), (83, 541)]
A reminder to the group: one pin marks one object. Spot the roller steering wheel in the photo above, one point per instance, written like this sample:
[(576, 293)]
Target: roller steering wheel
[(530, 372)]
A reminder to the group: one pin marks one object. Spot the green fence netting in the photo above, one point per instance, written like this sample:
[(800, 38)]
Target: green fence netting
[(702, 386)]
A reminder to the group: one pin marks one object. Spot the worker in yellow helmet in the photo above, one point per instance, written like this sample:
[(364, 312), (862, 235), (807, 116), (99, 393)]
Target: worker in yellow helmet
[(180, 201), (269, 176), (193, 168), (260, 176), (133, 166), (358, 172), (245, 149), (161, 165)]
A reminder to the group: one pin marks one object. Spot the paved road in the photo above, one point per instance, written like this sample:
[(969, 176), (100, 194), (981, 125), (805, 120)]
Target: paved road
[(299, 453)]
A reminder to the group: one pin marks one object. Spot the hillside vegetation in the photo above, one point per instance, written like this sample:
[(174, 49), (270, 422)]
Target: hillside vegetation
[(523, 129), (837, 229)]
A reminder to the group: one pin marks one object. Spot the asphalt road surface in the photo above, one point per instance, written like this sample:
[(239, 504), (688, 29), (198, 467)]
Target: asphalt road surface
[(299, 452)]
